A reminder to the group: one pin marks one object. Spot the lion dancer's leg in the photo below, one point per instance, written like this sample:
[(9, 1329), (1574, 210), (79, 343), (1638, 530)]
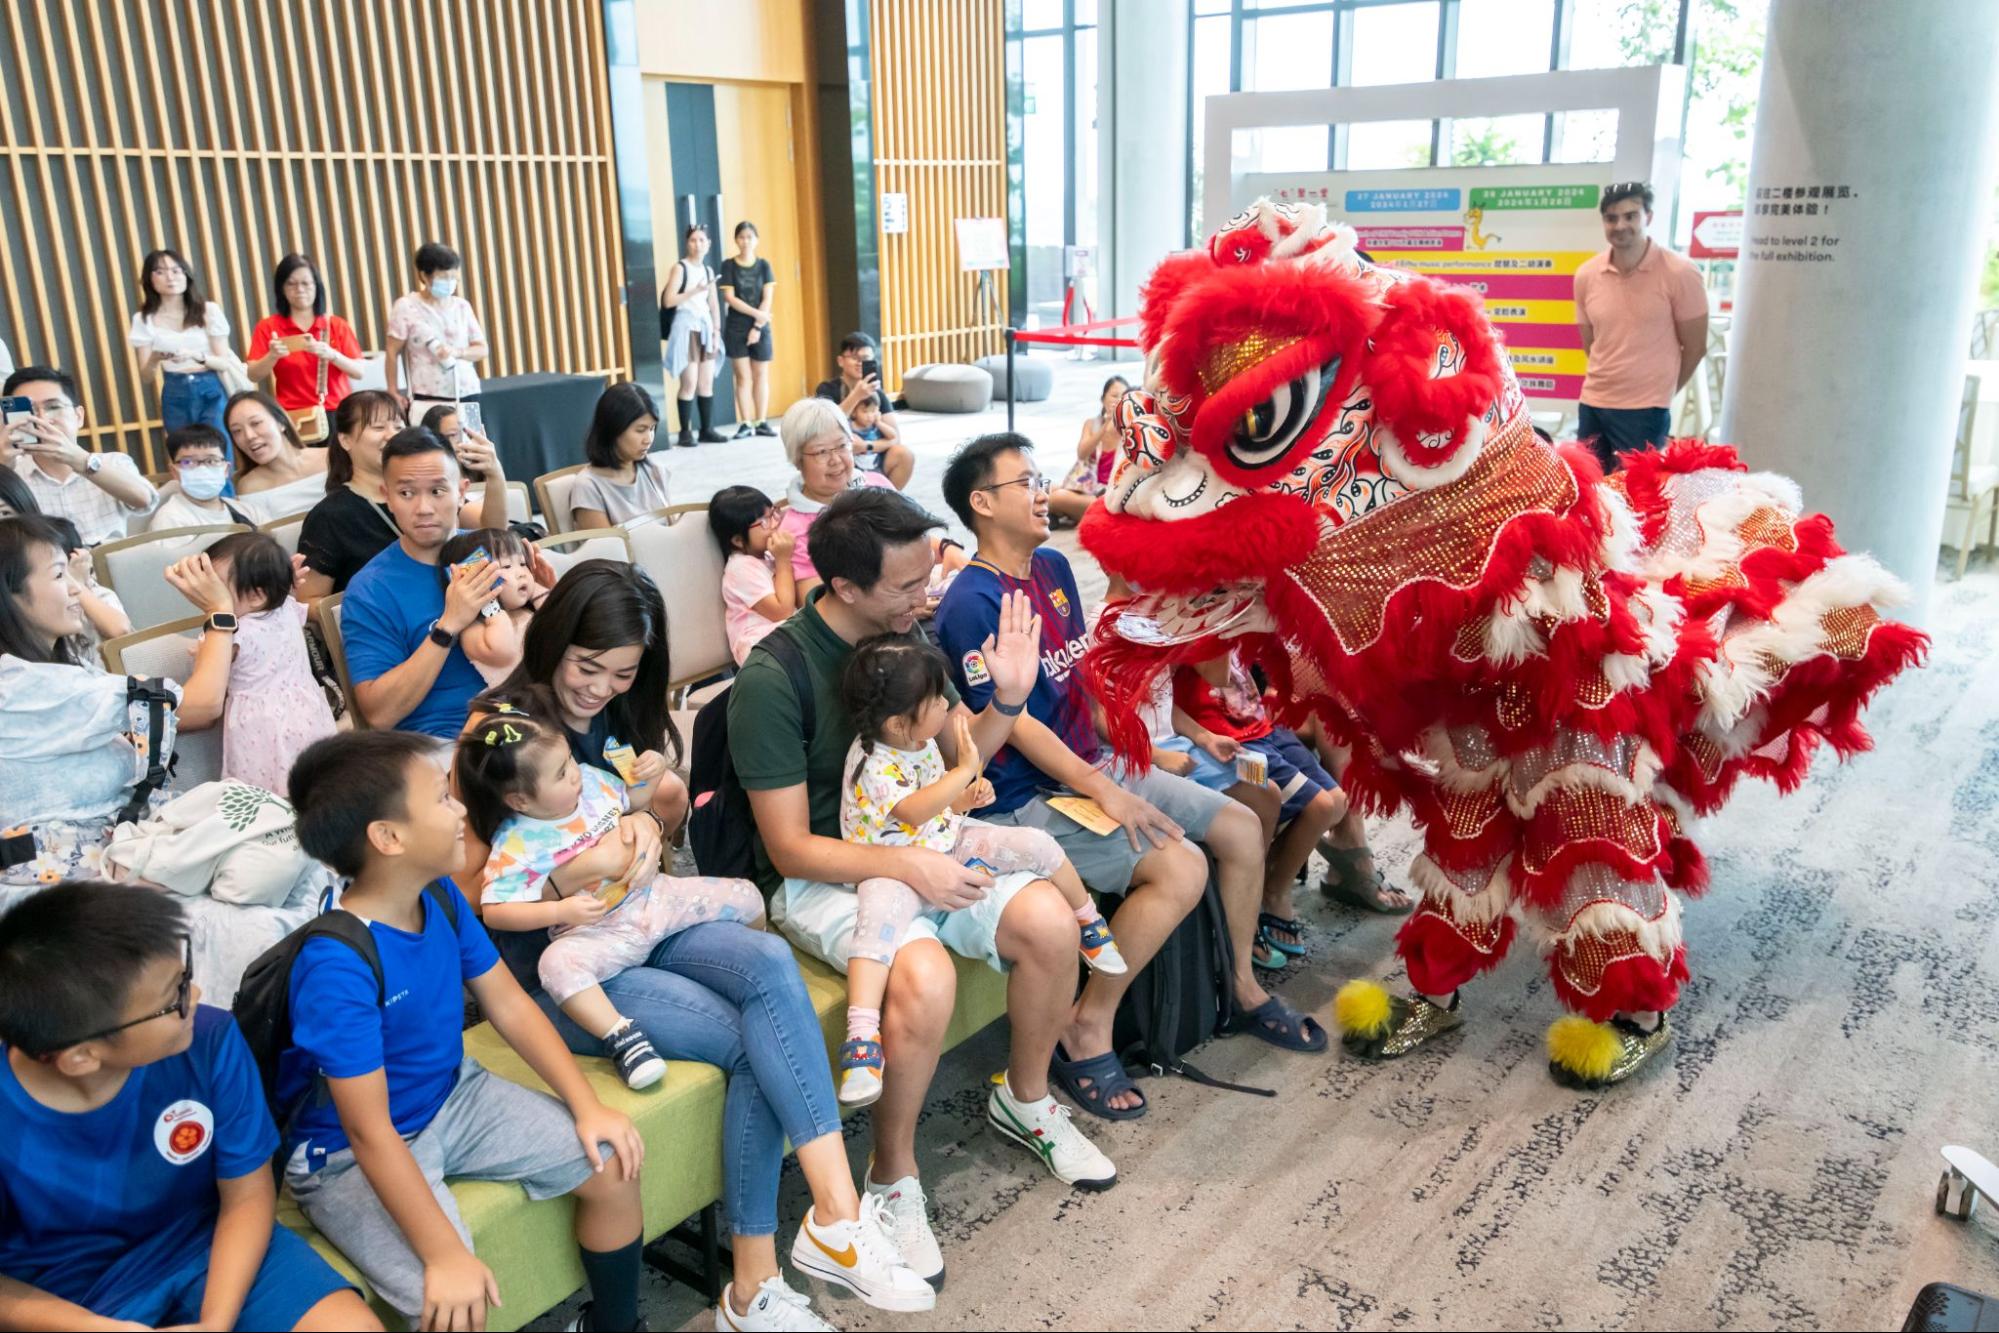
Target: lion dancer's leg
[(1464, 922), (1599, 861)]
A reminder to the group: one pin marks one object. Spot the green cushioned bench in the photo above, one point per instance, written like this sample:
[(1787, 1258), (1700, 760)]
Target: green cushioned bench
[(530, 1247)]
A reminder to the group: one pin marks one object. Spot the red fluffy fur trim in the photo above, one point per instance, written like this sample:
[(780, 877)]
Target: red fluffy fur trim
[(1256, 537), (1221, 305), (1408, 398), (1630, 985), (1156, 298), (1644, 475), (1688, 872), (1547, 887), (1439, 959)]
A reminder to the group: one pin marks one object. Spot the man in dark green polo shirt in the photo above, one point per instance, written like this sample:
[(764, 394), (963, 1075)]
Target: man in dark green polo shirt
[(872, 548)]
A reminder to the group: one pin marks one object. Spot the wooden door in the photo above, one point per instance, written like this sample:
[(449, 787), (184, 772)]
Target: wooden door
[(754, 136)]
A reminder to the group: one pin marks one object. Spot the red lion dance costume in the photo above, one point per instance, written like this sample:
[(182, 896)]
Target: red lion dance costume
[(1332, 468)]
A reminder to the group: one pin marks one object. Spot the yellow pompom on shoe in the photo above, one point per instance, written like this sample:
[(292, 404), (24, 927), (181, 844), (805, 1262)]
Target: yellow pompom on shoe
[(1376, 1025), (1363, 1009), (1589, 1055)]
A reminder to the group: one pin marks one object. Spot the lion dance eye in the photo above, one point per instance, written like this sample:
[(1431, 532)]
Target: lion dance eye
[(1268, 430)]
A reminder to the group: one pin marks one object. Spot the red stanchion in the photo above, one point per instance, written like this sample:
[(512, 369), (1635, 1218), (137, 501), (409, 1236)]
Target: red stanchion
[(1064, 335)]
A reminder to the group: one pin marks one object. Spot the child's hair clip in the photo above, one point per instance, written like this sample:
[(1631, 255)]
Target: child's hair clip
[(504, 733)]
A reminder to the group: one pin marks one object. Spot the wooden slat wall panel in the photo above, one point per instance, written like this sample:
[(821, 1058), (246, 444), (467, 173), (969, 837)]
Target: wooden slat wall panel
[(235, 131), (940, 138)]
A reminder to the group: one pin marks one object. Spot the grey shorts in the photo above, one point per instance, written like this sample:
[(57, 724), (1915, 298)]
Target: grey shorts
[(1106, 861), (487, 1129)]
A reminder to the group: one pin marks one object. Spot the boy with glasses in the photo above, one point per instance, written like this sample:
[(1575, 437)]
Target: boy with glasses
[(135, 1179)]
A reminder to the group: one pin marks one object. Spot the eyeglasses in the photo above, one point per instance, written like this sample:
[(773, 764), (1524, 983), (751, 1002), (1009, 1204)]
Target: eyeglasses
[(182, 993), (769, 519), (1033, 480), (820, 455)]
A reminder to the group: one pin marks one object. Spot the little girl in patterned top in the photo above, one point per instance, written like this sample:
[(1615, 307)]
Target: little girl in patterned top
[(275, 706), (898, 793), (493, 644), (558, 864)]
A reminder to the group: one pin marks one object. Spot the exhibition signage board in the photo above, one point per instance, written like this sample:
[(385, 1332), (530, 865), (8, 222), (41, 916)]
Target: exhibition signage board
[(1516, 238), (1716, 235)]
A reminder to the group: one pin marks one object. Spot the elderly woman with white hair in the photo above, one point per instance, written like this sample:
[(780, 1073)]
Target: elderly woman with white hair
[(820, 445)]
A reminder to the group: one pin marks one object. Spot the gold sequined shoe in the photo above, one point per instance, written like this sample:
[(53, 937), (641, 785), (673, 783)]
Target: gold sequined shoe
[(1590, 1056), (1376, 1025)]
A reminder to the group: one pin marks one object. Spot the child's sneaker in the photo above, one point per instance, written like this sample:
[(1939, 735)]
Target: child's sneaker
[(638, 1063), (1100, 951), (861, 1072), (775, 1308), (862, 1257), (1045, 1128)]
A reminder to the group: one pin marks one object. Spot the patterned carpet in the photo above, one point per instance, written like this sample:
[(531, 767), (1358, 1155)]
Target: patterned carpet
[(1776, 1172)]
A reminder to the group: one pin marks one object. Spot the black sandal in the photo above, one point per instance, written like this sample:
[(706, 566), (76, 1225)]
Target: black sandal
[(1279, 1024), (1107, 1077)]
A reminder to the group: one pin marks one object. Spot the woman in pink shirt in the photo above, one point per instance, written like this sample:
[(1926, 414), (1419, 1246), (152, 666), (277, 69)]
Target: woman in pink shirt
[(820, 446)]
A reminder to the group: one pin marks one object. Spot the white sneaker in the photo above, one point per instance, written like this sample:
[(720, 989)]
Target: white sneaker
[(909, 1224), (862, 1257), (1045, 1127), (775, 1308)]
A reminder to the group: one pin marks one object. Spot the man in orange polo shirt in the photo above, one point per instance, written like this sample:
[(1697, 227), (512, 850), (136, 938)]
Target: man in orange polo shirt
[(1643, 314)]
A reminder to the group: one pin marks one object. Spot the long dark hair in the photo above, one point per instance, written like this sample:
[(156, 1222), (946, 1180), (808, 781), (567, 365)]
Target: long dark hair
[(290, 264), (194, 303), (599, 605), (245, 464), (617, 408), (889, 675), (18, 539), (492, 764), (14, 493), (356, 410)]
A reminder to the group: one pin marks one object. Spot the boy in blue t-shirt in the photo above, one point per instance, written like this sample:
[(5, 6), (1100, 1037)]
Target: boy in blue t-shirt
[(389, 1104), (135, 1179)]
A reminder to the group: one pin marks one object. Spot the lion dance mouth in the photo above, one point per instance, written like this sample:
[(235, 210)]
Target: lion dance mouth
[(1557, 673)]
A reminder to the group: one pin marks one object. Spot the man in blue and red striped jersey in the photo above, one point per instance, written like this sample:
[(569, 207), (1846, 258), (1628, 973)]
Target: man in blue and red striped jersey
[(993, 486)]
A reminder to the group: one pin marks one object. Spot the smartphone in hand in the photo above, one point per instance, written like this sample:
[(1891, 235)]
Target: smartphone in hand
[(871, 369), (14, 413)]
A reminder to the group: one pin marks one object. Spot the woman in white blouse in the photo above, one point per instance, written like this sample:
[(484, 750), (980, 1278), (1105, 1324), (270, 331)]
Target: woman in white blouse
[(690, 320), (179, 332), (436, 335), (277, 476)]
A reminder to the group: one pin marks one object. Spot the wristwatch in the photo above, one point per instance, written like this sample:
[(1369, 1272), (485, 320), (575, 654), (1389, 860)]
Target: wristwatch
[(94, 464), (441, 636), (222, 622)]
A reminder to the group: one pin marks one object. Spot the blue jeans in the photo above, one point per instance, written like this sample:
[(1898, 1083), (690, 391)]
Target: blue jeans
[(730, 996), (1611, 431), (197, 400)]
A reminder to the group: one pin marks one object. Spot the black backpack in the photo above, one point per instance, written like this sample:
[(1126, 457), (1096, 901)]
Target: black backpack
[(721, 830), (1182, 997), (263, 1005)]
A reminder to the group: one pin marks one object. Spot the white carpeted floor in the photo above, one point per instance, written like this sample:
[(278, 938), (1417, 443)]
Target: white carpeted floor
[(1776, 1171)]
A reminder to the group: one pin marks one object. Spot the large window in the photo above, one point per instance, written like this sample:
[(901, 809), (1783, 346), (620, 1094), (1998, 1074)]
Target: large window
[(1058, 44), (1269, 45)]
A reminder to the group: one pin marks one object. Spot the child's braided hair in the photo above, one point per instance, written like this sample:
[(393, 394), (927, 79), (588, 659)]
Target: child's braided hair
[(890, 675)]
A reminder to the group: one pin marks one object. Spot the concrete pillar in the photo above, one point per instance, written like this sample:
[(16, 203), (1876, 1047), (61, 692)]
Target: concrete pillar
[(1142, 145), (1852, 324)]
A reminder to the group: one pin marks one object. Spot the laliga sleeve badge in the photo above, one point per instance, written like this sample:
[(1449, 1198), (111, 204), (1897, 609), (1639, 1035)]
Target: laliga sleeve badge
[(975, 669), (184, 1131)]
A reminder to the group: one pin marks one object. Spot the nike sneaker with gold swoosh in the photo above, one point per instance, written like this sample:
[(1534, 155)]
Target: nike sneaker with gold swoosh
[(862, 1257)]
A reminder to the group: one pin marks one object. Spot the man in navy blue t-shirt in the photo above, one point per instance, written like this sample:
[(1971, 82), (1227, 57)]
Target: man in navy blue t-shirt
[(400, 622), (993, 486), (135, 1179)]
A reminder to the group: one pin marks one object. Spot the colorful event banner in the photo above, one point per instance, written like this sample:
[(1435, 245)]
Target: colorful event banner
[(1514, 235)]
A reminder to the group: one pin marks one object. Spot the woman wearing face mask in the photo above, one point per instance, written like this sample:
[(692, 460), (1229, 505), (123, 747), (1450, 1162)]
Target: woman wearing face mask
[(277, 476), (622, 482), (436, 335), (690, 320), (193, 499), (183, 335)]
